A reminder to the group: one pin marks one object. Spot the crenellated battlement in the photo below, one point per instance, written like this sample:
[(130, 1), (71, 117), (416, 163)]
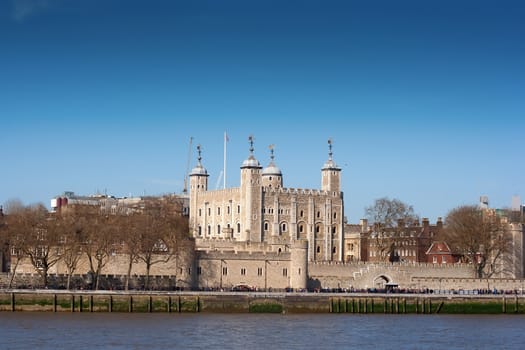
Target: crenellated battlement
[(296, 191)]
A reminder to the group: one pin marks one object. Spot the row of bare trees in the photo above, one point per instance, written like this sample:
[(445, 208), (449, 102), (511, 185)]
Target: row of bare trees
[(150, 234), (479, 236)]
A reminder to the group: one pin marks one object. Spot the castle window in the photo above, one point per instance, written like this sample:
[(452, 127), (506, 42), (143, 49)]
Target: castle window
[(259, 271), (224, 271), (209, 211), (333, 250), (228, 209), (218, 210), (219, 229), (317, 229), (301, 214), (200, 231), (238, 228), (285, 272), (335, 215), (283, 227), (299, 272), (238, 209), (318, 214), (200, 212), (209, 230), (270, 178), (243, 271), (266, 226), (318, 249), (301, 228), (199, 270), (334, 229)]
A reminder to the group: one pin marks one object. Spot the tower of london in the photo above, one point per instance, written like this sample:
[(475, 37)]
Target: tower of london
[(262, 210)]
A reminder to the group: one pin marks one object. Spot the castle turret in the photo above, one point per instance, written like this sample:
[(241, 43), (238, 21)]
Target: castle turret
[(272, 175), (251, 195), (331, 173), (198, 184)]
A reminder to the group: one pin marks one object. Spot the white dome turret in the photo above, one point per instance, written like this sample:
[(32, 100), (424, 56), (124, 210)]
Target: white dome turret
[(272, 175), (251, 162)]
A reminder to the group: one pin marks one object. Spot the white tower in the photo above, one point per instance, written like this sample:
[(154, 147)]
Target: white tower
[(198, 184), (251, 194)]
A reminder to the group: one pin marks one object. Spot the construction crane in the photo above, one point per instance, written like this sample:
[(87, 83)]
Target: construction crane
[(185, 189)]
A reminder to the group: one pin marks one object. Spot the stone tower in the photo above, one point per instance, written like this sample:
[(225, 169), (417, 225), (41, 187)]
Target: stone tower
[(251, 198), (331, 173), (272, 176), (198, 184)]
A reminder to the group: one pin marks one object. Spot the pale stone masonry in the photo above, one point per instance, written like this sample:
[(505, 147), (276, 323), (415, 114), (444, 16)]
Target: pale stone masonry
[(263, 234), (262, 210)]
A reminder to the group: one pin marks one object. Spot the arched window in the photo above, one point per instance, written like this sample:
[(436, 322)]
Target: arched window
[(200, 230), (283, 227), (209, 230), (266, 226), (301, 214), (219, 229), (318, 249), (238, 228), (301, 228)]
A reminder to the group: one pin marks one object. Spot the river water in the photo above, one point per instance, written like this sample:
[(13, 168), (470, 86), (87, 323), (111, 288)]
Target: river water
[(77, 331)]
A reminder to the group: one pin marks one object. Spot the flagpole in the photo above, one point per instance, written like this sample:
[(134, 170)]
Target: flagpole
[(224, 169)]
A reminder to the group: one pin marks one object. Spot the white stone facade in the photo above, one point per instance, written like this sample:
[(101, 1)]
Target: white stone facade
[(262, 210)]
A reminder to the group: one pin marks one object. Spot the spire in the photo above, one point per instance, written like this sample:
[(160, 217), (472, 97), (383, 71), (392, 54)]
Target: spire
[(199, 150), (330, 164), (199, 169), (330, 149), (272, 169), (251, 139), (251, 162)]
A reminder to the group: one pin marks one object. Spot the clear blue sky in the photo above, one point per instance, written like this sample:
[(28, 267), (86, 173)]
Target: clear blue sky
[(424, 99)]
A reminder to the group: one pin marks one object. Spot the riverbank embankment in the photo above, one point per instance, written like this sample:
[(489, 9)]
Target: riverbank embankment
[(257, 302)]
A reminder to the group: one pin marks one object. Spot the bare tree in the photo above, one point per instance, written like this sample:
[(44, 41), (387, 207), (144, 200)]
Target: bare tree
[(71, 240), (480, 236), (130, 234), (12, 234), (161, 227), (41, 240), (389, 217), (99, 243)]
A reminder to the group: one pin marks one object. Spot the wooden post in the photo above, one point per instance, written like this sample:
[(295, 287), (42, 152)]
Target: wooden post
[(516, 305), (130, 304), (110, 304), (372, 305), (80, 302), (150, 304), (417, 305), (179, 305), (405, 305), (72, 303), (169, 304), (13, 302), (91, 303), (54, 303), (504, 305)]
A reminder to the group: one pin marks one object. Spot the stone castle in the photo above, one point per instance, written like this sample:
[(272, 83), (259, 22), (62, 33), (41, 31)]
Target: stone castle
[(263, 233)]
